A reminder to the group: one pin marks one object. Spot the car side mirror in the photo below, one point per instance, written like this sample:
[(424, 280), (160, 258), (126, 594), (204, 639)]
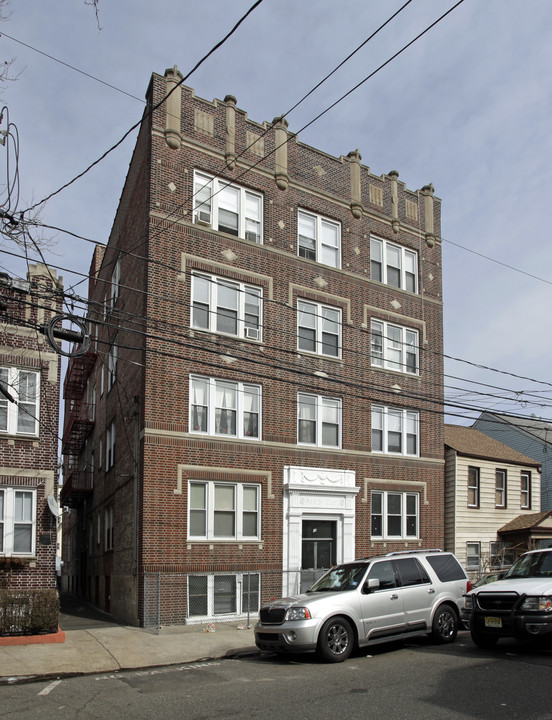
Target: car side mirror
[(370, 585)]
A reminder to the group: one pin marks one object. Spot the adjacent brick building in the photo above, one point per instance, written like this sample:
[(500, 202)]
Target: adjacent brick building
[(264, 392), (30, 372)]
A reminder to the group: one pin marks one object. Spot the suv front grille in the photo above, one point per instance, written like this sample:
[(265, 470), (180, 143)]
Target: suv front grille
[(497, 602), (272, 616)]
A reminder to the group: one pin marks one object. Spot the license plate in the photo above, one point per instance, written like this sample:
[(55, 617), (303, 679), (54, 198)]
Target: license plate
[(493, 622)]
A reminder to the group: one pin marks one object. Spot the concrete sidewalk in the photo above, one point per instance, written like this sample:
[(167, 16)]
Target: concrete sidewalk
[(96, 644)]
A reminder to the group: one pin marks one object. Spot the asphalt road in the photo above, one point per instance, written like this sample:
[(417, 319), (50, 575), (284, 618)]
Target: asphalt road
[(417, 681)]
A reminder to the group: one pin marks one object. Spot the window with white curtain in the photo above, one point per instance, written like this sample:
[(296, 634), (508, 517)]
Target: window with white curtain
[(19, 403), (229, 208), (319, 239), (319, 328), (395, 431), (224, 511), (225, 407), (318, 420), (394, 347), (17, 522), (393, 265)]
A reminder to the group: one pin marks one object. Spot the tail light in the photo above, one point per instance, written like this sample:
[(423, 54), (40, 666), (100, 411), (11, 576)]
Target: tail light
[(469, 586)]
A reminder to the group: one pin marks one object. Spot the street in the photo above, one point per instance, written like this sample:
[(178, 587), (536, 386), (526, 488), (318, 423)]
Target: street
[(393, 681)]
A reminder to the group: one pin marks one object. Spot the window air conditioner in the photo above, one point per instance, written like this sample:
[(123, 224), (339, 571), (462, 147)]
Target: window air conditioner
[(252, 333), (203, 217)]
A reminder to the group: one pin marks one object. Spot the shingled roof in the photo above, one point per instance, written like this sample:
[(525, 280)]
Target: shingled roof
[(470, 442), (526, 522)]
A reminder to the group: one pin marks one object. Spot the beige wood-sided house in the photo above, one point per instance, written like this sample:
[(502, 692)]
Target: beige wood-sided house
[(487, 486)]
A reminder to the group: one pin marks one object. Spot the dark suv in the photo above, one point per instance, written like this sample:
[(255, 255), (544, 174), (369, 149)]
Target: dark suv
[(394, 596)]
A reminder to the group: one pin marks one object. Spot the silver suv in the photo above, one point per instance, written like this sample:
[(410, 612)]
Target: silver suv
[(360, 603)]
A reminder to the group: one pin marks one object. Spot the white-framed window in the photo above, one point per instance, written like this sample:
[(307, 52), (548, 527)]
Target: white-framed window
[(500, 488), (395, 515), (115, 283), (393, 265), (224, 407), (17, 522), (395, 431), (110, 446), (394, 347), (318, 238), (319, 328), (473, 555), (473, 487), (318, 420), (112, 358), (226, 306), (229, 208), (109, 527), (210, 596), (525, 479), (19, 403), (224, 511)]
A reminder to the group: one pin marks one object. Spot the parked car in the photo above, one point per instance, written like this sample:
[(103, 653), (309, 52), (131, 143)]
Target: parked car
[(518, 605), (489, 578), (360, 603)]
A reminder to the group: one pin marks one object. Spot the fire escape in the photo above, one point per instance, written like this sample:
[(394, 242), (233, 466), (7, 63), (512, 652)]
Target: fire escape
[(78, 483)]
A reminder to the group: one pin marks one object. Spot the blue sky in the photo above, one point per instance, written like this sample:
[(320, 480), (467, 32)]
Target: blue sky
[(467, 107)]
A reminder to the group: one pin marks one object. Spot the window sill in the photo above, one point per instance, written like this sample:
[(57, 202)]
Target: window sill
[(16, 561)]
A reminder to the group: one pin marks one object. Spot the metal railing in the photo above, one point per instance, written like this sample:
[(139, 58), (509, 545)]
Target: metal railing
[(203, 601)]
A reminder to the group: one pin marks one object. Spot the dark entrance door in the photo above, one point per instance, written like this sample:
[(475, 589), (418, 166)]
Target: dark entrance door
[(318, 551)]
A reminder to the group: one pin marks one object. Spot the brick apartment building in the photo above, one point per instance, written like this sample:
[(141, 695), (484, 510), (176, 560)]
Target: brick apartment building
[(264, 391), (30, 373)]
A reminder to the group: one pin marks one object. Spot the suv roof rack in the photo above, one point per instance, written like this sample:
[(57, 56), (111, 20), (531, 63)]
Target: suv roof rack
[(413, 552)]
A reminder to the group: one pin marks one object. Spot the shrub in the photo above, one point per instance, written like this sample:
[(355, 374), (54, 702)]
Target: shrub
[(28, 612)]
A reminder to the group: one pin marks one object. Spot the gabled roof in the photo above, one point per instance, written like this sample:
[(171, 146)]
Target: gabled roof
[(470, 442), (528, 522), (530, 425)]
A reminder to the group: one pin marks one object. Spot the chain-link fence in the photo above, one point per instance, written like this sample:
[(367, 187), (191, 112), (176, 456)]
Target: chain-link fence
[(202, 601)]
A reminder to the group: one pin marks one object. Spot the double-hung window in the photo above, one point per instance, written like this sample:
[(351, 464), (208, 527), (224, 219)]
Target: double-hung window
[(395, 431), (224, 511), (318, 420), (210, 596), (500, 488), (394, 347), (393, 265), (225, 306), (525, 479), (17, 522), (319, 239), (19, 403), (394, 515), (115, 283), (473, 487), (110, 446), (229, 208), (224, 407), (318, 328), (112, 365), (473, 555)]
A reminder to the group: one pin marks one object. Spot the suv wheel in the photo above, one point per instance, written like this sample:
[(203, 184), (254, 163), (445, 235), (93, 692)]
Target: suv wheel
[(445, 624), (483, 641), (336, 640)]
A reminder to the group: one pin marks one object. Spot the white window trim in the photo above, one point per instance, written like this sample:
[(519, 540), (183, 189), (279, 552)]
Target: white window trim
[(110, 437), (405, 416), (525, 494), (115, 283), (476, 487), (320, 401), (112, 359), (319, 219), (472, 566), (208, 212), (381, 356), (12, 408), (317, 310), (239, 511), (241, 584), (239, 389), (243, 331), (385, 535), (503, 491), (8, 521), (385, 245)]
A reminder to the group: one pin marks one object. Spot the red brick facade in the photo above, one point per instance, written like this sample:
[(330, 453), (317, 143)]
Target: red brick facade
[(160, 248), (28, 430)]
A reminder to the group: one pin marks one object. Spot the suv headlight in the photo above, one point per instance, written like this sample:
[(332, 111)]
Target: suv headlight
[(538, 604), (468, 602), (298, 613)]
